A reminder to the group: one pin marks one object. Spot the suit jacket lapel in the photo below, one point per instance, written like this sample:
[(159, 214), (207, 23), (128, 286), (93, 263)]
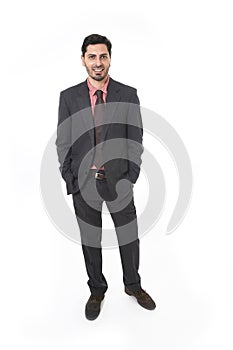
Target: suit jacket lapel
[(84, 103), (113, 95)]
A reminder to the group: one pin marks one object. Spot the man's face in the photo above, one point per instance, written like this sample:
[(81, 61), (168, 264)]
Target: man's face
[(97, 61)]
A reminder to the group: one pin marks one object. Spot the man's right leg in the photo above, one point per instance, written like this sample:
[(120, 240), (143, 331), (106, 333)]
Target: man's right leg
[(90, 224)]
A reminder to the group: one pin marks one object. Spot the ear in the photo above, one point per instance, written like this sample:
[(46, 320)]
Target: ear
[(83, 62)]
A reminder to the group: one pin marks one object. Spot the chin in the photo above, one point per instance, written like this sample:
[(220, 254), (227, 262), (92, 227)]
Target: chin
[(100, 78)]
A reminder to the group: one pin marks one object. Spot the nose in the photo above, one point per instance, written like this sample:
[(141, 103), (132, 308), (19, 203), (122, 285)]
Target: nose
[(98, 61)]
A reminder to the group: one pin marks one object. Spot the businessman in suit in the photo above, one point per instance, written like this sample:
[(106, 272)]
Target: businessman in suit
[(99, 145)]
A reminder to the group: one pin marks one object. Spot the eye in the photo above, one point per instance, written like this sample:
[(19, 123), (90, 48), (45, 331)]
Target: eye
[(104, 57), (92, 57)]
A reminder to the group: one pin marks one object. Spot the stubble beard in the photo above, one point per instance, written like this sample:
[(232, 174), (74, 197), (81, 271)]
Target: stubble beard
[(96, 77)]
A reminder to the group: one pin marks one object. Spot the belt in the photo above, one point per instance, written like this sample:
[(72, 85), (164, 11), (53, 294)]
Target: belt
[(99, 175)]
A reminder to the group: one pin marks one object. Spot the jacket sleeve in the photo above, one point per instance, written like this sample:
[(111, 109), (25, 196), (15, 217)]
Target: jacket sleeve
[(63, 141), (134, 137)]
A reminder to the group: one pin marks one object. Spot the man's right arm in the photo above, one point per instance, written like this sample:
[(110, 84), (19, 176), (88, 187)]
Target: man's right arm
[(63, 141)]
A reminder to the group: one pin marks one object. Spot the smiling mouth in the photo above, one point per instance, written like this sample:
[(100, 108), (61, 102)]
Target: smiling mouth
[(98, 70)]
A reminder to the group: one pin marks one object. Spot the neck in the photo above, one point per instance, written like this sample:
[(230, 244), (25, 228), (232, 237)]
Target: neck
[(98, 84)]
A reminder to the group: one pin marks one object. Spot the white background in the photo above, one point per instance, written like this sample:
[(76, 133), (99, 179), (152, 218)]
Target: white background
[(179, 55)]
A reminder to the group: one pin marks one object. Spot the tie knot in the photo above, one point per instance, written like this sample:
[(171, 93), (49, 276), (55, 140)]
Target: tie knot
[(99, 94)]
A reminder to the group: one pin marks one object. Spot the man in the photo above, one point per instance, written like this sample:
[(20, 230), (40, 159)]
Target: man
[(99, 144)]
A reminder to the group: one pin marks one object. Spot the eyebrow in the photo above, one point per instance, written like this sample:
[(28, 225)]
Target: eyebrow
[(94, 54)]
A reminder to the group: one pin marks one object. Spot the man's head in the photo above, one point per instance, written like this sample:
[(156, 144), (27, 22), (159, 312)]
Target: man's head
[(96, 56)]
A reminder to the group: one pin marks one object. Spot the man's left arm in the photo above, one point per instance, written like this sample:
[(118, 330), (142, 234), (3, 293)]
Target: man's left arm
[(134, 137)]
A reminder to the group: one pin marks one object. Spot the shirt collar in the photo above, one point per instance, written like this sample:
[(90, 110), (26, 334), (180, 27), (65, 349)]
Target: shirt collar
[(93, 89)]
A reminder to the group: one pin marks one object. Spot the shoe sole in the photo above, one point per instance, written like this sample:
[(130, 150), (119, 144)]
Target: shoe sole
[(91, 318)]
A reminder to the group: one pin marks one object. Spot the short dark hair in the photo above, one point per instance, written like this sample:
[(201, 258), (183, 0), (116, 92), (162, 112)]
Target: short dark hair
[(94, 39)]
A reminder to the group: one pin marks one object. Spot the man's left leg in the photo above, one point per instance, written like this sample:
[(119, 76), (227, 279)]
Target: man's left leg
[(125, 221)]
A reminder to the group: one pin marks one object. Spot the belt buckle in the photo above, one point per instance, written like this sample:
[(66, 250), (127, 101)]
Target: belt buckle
[(99, 176)]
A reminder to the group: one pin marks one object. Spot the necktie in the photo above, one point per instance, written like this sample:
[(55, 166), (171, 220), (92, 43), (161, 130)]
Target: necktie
[(98, 120)]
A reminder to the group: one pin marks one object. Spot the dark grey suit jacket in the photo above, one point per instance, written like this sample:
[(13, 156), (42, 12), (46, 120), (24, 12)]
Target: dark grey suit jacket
[(122, 133)]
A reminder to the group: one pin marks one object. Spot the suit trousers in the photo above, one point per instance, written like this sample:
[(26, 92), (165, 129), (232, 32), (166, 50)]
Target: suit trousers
[(88, 210)]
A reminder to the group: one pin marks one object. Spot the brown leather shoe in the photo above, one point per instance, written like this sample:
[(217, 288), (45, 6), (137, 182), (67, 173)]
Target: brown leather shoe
[(143, 298), (93, 304)]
